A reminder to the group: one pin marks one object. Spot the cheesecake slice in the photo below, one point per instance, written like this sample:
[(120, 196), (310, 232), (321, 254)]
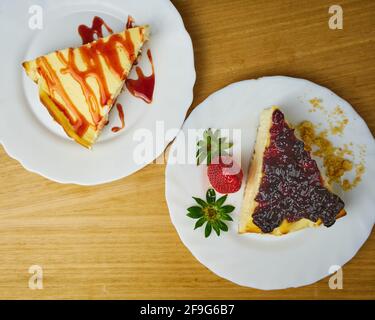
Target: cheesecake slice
[(79, 86), (285, 190)]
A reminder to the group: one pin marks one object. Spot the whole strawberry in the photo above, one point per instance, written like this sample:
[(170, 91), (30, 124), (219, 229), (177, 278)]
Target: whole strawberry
[(225, 175)]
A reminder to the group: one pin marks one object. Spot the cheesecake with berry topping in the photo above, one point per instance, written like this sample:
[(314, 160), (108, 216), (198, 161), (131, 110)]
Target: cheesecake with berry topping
[(285, 190)]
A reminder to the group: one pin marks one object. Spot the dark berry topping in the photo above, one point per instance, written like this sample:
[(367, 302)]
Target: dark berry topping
[(291, 187)]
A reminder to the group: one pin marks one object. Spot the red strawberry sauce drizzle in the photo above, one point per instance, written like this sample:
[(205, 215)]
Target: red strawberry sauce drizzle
[(122, 119), (291, 187)]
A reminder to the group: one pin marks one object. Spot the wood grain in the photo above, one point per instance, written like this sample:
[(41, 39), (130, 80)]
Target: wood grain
[(116, 240)]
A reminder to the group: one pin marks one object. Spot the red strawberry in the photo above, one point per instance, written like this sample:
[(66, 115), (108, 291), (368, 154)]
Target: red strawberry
[(225, 175)]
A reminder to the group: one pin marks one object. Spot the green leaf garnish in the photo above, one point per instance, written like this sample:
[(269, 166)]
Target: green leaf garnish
[(227, 209), (221, 200), (201, 202), (226, 217), (211, 196), (212, 146), (211, 212), (200, 223), (195, 212), (215, 226), (207, 230), (223, 226)]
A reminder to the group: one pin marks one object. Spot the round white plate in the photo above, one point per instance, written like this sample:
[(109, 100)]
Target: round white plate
[(266, 261), (29, 134)]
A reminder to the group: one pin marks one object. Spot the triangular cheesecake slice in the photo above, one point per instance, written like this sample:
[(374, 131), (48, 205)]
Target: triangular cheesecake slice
[(79, 86), (285, 190)]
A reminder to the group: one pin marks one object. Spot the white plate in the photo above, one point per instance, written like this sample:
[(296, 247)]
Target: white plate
[(264, 261), (28, 133)]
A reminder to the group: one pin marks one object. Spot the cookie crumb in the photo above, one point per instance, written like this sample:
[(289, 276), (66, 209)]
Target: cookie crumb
[(334, 159)]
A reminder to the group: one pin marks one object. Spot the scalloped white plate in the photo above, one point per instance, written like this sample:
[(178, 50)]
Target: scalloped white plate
[(28, 133), (264, 261)]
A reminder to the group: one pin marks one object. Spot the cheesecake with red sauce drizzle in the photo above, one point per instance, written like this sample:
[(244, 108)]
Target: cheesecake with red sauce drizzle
[(79, 86), (285, 190)]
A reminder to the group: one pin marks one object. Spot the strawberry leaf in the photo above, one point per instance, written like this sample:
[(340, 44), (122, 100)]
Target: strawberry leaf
[(216, 227), (201, 202), (208, 229), (222, 226), (207, 133), (216, 134), (225, 216), (201, 157), (201, 143), (209, 154), (195, 212), (221, 201), (211, 196), (211, 146), (200, 223), (227, 209)]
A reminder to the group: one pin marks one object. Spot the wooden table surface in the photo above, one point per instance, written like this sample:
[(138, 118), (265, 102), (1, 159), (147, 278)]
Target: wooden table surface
[(116, 240)]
